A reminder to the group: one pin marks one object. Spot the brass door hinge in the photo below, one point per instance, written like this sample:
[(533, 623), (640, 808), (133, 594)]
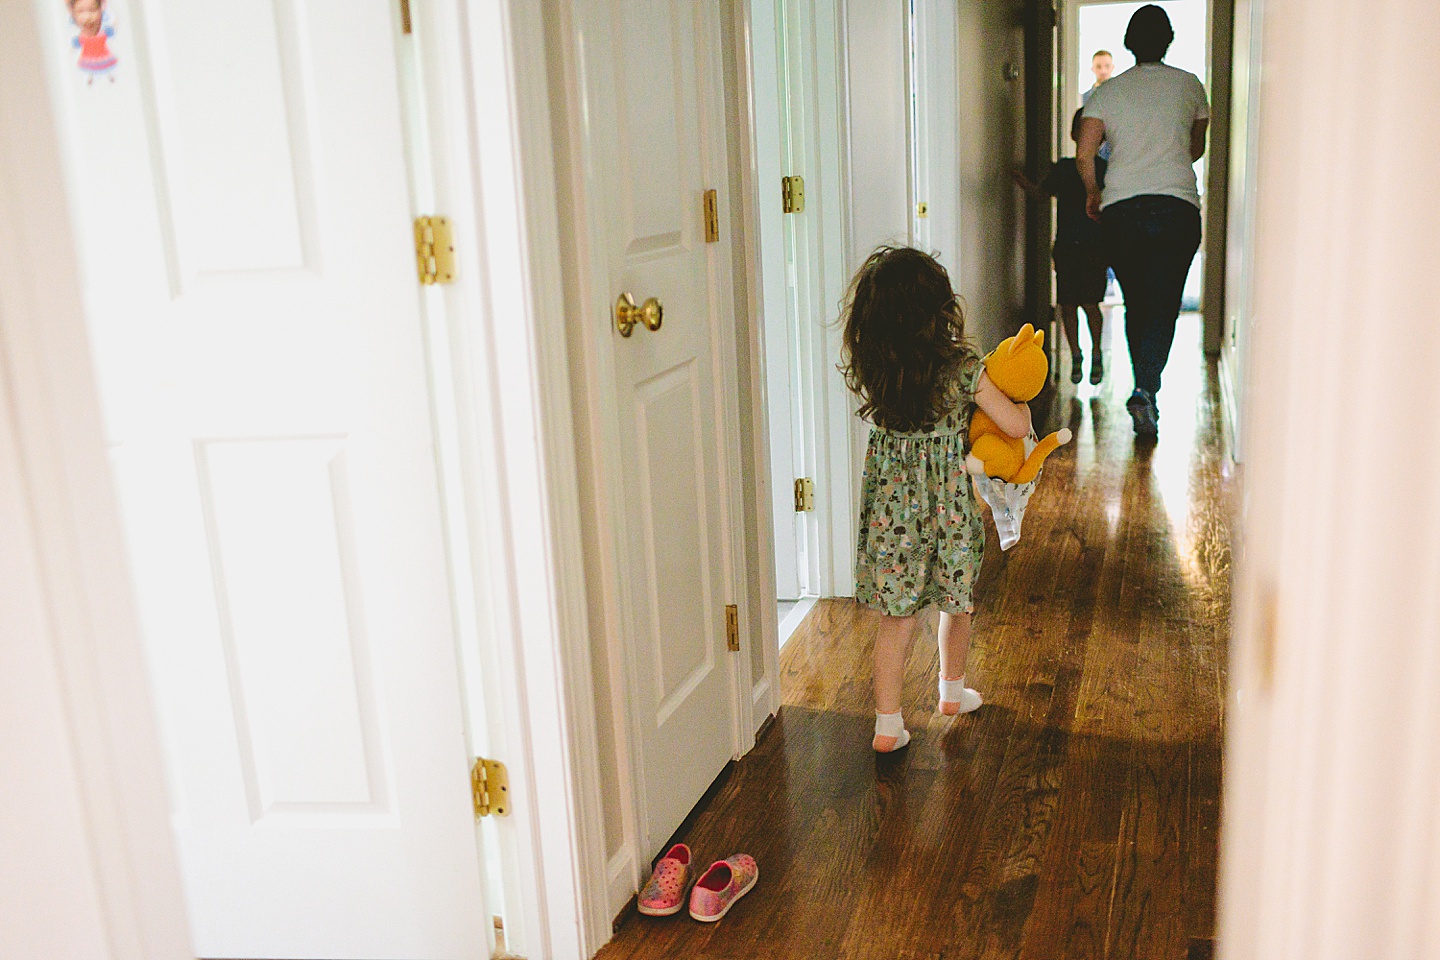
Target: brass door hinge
[(804, 495), (490, 788), (405, 24), (712, 217), (922, 209), (434, 250), (732, 626), (792, 194)]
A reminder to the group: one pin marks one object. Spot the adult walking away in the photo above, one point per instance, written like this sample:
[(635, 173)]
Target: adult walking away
[(1154, 116)]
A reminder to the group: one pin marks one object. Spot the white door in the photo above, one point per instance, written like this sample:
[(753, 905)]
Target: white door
[(242, 205), (657, 125), (774, 295), (798, 533), (935, 134)]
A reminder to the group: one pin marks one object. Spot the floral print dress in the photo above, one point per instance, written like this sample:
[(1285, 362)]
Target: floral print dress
[(921, 537)]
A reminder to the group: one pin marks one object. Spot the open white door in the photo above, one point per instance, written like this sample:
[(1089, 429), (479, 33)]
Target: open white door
[(776, 282), (934, 47), (656, 122), (242, 205), (798, 83)]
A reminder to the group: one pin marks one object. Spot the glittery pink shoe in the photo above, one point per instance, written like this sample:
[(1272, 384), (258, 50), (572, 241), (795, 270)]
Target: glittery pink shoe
[(725, 882), (664, 894)]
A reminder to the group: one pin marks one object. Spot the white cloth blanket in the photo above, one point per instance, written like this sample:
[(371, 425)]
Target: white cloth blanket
[(1007, 505)]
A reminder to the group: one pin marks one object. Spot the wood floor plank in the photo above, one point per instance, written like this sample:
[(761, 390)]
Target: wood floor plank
[(1077, 878)]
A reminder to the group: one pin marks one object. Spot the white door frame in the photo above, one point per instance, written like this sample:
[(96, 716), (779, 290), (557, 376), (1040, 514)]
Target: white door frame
[(917, 120), (511, 501), (803, 372), (1244, 161), (754, 693), (781, 407), (83, 817), (521, 490)]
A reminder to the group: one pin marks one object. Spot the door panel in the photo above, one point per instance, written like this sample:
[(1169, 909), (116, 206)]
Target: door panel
[(258, 336), (660, 105), (673, 481), (300, 686), (243, 207)]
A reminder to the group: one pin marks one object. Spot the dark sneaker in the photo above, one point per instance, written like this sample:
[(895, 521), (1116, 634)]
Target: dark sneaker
[(1144, 413), (1077, 364)]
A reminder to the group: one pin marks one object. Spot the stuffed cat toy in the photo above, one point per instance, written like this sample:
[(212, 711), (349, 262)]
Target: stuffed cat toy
[(1019, 368)]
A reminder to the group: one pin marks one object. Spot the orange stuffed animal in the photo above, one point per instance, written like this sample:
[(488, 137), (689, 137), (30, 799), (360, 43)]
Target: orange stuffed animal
[(1019, 368)]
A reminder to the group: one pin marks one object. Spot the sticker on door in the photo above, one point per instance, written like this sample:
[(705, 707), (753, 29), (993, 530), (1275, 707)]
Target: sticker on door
[(93, 30)]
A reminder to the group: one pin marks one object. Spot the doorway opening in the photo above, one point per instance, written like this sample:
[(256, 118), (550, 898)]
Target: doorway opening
[(1095, 25), (801, 249)]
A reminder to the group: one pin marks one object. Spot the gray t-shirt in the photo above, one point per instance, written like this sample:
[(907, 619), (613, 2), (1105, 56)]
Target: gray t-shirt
[(1148, 112)]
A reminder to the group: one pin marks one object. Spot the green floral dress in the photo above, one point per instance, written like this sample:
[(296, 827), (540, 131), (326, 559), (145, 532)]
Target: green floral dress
[(921, 537)]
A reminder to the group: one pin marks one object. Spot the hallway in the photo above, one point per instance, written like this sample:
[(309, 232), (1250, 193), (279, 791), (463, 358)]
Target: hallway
[(1076, 813)]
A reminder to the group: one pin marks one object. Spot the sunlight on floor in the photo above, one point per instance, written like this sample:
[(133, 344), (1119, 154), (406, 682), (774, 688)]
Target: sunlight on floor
[(1173, 460)]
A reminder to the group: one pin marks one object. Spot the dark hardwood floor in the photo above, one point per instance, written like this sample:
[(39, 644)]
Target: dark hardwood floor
[(1075, 815)]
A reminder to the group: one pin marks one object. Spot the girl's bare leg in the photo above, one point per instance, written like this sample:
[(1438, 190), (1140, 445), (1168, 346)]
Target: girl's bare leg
[(892, 646), (954, 645), (954, 640)]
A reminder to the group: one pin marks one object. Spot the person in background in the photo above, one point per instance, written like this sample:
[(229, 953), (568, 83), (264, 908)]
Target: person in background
[(1102, 65), (1154, 117), (1079, 257)]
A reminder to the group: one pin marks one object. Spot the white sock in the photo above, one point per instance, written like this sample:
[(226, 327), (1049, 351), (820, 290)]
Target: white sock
[(891, 725), (954, 692)]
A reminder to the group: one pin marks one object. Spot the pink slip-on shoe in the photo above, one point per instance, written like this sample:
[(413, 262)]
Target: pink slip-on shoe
[(664, 894), (725, 882)]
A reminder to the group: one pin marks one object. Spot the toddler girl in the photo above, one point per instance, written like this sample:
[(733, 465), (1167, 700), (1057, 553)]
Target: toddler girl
[(921, 539)]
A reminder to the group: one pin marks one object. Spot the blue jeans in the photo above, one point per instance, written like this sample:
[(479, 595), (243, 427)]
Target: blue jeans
[(1151, 241)]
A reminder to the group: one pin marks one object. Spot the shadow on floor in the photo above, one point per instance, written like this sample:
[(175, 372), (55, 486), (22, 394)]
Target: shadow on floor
[(1076, 814)]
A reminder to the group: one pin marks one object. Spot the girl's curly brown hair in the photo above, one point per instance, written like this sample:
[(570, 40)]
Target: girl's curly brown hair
[(904, 339)]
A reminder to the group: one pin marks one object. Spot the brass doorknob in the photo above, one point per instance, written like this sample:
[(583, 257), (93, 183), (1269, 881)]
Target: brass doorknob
[(650, 313)]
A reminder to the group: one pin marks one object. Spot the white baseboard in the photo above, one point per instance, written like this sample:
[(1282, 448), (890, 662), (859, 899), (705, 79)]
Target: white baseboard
[(795, 617)]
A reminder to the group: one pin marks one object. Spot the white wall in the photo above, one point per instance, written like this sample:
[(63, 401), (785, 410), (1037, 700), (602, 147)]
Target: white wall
[(992, 141), (48, 880), (1331, 844)]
